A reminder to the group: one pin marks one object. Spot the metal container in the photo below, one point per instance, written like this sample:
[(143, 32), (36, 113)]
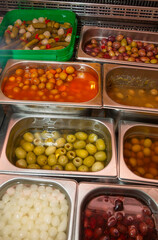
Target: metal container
[(50, 106), (89, 32), (20, 123), (87, 191), (68, 187), (125, 130), (1, 115), (126, 112)]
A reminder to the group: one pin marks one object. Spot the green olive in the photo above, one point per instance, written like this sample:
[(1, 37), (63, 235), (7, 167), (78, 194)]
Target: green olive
[(97, 166), (49, 150), (70, 167), (48, 142), (89, 161), (30, 158), (57, 167), (100, 144), (82, 153), (20, 153), (52, 160), (55, 134), (60, 142), (45, 134), (33, 166), (81, 135), (63, 160), (83, 168), (92, 138), (60, 151), (42, 160), (22, 142), (71, 155), (79, 144), (46, 167), (38, 141), (37, 135), (91, 148), (68, 146), (28, 137), (71, 138), (100, 156), (77, 161), (21, 163), (39, 150), (28, 147)]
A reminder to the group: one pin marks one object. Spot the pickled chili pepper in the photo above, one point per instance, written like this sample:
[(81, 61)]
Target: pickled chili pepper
[(47, 21), (69, 30), (37, 36), (48, 46), (56, 39)]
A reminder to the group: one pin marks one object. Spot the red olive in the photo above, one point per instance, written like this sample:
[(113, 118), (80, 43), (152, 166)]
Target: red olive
[(120, 57), (100, 220), (97, 50), (146, 211), (106, 55), (135, 55), (86, 222), (149, 54), (144, 59), (131, 59), (142, 53), (116, 45), (111, 38), (119, 37), (134, 50), (122, 49), (132, 231), (94, 54), (93, 40), (98, 232), (111, 221), (114, 232), (139, 45), (139, 237), (111, 53), (104, 41), (122, 228), (118, 205), (119, 216), (88, 49), (109, 43), (129, 40), (88, 233), (143, 227), (88, 213), (92, 222), (105, 237), (128, 220), (150, 47)]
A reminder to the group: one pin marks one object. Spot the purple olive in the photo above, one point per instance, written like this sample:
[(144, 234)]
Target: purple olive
[(119, 216), (104, 41), (106, 55), (88, 49), (116, 45), (142, 53), (114, 232), (94, 41), (111, 38), (129, 40), (118, 205), (111, 221), (122, 228)]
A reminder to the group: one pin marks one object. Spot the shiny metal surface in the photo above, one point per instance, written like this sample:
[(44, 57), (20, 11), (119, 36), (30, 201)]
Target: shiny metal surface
[(89, 32), (68, 187), (48, 106), (112, 69), (87, 191), (20, 123), (126, 129), (1, 115)]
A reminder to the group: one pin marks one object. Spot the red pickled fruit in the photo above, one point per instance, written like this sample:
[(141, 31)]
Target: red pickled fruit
[(104, 238), (88, 233), (119, 216), (132, 231), (143, 227), (98, 232), (122, 228), (92, 222), (118, 205), (114, 232), (111, 221)]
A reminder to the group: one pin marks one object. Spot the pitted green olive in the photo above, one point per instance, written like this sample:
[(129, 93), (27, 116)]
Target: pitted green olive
[(60, 142), (57, 167), (70, 167), (89, 161), (68, 146), (33, 166), (28, 137), (100, 156), (91, 148), (55, 134), (49, 150), (42, 160), (21, 163), (20, 153), (100, 144), (22, 141), (46, 167), (60, 151), (39, 150), (77, 161), (31, 158), (81, 135), (79, 144), (38, 141), (52, 160), (28, 147), (37, 135), (83, 168), (63, 160), (82, 153), (71, 155), (49, 142), (97, 166), (71, 138), (92, 137)]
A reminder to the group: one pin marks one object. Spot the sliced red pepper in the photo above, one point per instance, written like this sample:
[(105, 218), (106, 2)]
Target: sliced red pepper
[(48, 46), (8, 31), (37, 37), (69, 30), (47, 20), (56, 39), (24, 22), (24, 40), (103, 47)]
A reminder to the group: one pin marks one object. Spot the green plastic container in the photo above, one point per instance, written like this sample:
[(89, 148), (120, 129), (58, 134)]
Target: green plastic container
[(57, 15)]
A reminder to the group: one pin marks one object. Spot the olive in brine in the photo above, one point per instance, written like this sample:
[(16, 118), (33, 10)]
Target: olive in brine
[(39, 150), (71, 155), (30, 158), (52, 160), (83, 168), (81, 153), (79, 144), (89, 161), (57, 167), (50, 150), (63, 160), (92, 138), (100, 144), (60, 151), (68, 146), (28, 147), (81, 135), (97, 166), (28, 137), (55, 134), (71, 138), (77, 161), (60, 142), (70, 167), (91, 148), (42, 160), (20, 153), (33, 166), (21, 163), (100, 156)]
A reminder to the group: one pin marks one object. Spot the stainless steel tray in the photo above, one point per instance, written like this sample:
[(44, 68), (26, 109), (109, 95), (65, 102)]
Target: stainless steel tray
[(68, 187), (86, 192), (1, 115), (89, 32), (48, 106), (21, 122), (110, 69), (125, 128)]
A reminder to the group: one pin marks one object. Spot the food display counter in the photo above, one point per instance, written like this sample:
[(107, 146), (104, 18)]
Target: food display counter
[(78, 120)]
